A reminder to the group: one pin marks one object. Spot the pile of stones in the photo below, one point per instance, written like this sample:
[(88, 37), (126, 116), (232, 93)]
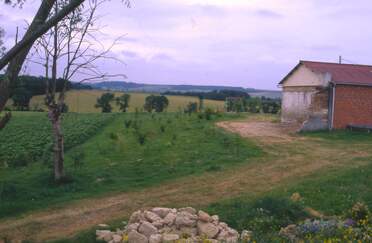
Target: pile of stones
[(158, 225)]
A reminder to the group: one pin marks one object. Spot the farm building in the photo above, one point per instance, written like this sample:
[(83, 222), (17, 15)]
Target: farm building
[(327, 95)]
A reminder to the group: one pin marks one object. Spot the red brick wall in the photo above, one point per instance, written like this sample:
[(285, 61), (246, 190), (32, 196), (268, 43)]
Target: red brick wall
[(353, 105)]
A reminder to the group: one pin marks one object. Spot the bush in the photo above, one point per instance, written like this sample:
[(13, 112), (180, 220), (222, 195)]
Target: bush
[(141, 137), (113, 136), (192, 107), (78, 158), (127, 123)]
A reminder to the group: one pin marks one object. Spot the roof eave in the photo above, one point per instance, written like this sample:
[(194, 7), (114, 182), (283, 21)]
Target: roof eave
[(290, 73)]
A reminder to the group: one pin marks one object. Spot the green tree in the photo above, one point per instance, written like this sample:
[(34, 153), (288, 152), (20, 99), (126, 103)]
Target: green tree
[(21, 98), (123, 102), (104, 102), (157, 103)]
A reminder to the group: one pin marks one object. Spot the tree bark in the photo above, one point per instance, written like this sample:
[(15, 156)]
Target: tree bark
[(54, 115)]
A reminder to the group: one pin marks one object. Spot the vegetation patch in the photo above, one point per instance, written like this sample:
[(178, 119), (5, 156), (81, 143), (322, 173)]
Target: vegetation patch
[(27, 137), (125, 158)]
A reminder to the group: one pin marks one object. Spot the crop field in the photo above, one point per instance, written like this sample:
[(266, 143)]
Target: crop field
[(28, 136), (84, 101)]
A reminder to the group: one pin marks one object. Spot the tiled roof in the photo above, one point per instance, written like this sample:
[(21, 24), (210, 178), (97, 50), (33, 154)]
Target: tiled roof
[(340, 73)]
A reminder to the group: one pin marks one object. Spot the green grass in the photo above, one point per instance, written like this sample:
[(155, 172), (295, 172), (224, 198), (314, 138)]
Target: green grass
[(114, 160), (341, 136), (27, 137), (84, 101)]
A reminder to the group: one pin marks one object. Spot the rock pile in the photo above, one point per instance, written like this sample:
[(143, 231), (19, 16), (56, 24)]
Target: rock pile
[(159, 225)]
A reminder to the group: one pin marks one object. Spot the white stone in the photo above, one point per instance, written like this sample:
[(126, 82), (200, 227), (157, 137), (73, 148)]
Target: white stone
[(105, 235), (151, 217), (189, 231), (215, 219), (203, 216), (135, 237), (161, 212), (103, 226), (131, 227), (147, 229), (187, 209), (170, 237), (157, 238), (116, 238), (185, 219), (169, 219), (136, 217), (208, 229), (158, 224)]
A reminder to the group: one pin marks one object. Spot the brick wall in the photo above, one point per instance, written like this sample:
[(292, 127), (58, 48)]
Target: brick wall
[(353, 105)]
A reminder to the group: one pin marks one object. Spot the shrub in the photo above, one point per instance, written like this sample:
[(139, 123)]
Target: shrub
[(208, 114), (192, 107), (127, 123), (78, 158), (141, 137), (113, 136), (359, 212)]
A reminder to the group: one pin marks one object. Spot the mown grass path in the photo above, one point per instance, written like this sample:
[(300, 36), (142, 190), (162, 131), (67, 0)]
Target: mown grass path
[(288, 159)]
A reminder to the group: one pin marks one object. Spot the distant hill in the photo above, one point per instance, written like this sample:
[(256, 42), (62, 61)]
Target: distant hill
[(161, 88)]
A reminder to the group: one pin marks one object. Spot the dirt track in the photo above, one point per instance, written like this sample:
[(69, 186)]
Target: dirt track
[(288, 159)]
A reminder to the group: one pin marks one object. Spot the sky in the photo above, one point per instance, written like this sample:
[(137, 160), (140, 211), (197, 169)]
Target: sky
[(247, 43)]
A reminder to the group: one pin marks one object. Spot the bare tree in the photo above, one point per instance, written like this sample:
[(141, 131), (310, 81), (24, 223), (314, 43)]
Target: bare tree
[(16, 56), (72, 45)]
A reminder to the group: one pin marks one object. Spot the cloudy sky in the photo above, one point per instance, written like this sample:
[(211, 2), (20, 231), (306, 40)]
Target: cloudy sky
[(249, 43)]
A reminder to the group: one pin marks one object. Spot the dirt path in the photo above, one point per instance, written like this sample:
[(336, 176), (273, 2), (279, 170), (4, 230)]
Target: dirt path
[(288, 159)]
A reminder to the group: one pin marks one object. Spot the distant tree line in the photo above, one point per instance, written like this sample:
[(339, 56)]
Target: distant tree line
[(27, 86), (253, 105), (221, 95)]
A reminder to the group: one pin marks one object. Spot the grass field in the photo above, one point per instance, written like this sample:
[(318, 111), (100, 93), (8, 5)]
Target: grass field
[(84, 101), (121, 157)]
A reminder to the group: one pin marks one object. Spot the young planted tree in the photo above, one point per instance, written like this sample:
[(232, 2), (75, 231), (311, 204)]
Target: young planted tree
[(104, 102), (123, 102)]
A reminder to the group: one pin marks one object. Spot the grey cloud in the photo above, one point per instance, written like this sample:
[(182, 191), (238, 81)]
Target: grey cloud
[(267, 13), (130, 54)]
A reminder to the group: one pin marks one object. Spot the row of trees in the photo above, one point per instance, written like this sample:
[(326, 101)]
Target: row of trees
[(157, 103), (221, 95), (253, 105)]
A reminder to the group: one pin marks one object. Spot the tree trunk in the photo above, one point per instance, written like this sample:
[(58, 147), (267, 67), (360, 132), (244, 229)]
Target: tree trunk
[(58, 143)]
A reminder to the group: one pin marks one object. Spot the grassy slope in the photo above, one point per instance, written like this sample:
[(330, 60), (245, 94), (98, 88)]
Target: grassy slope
[(84, 101), (115, 161)]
